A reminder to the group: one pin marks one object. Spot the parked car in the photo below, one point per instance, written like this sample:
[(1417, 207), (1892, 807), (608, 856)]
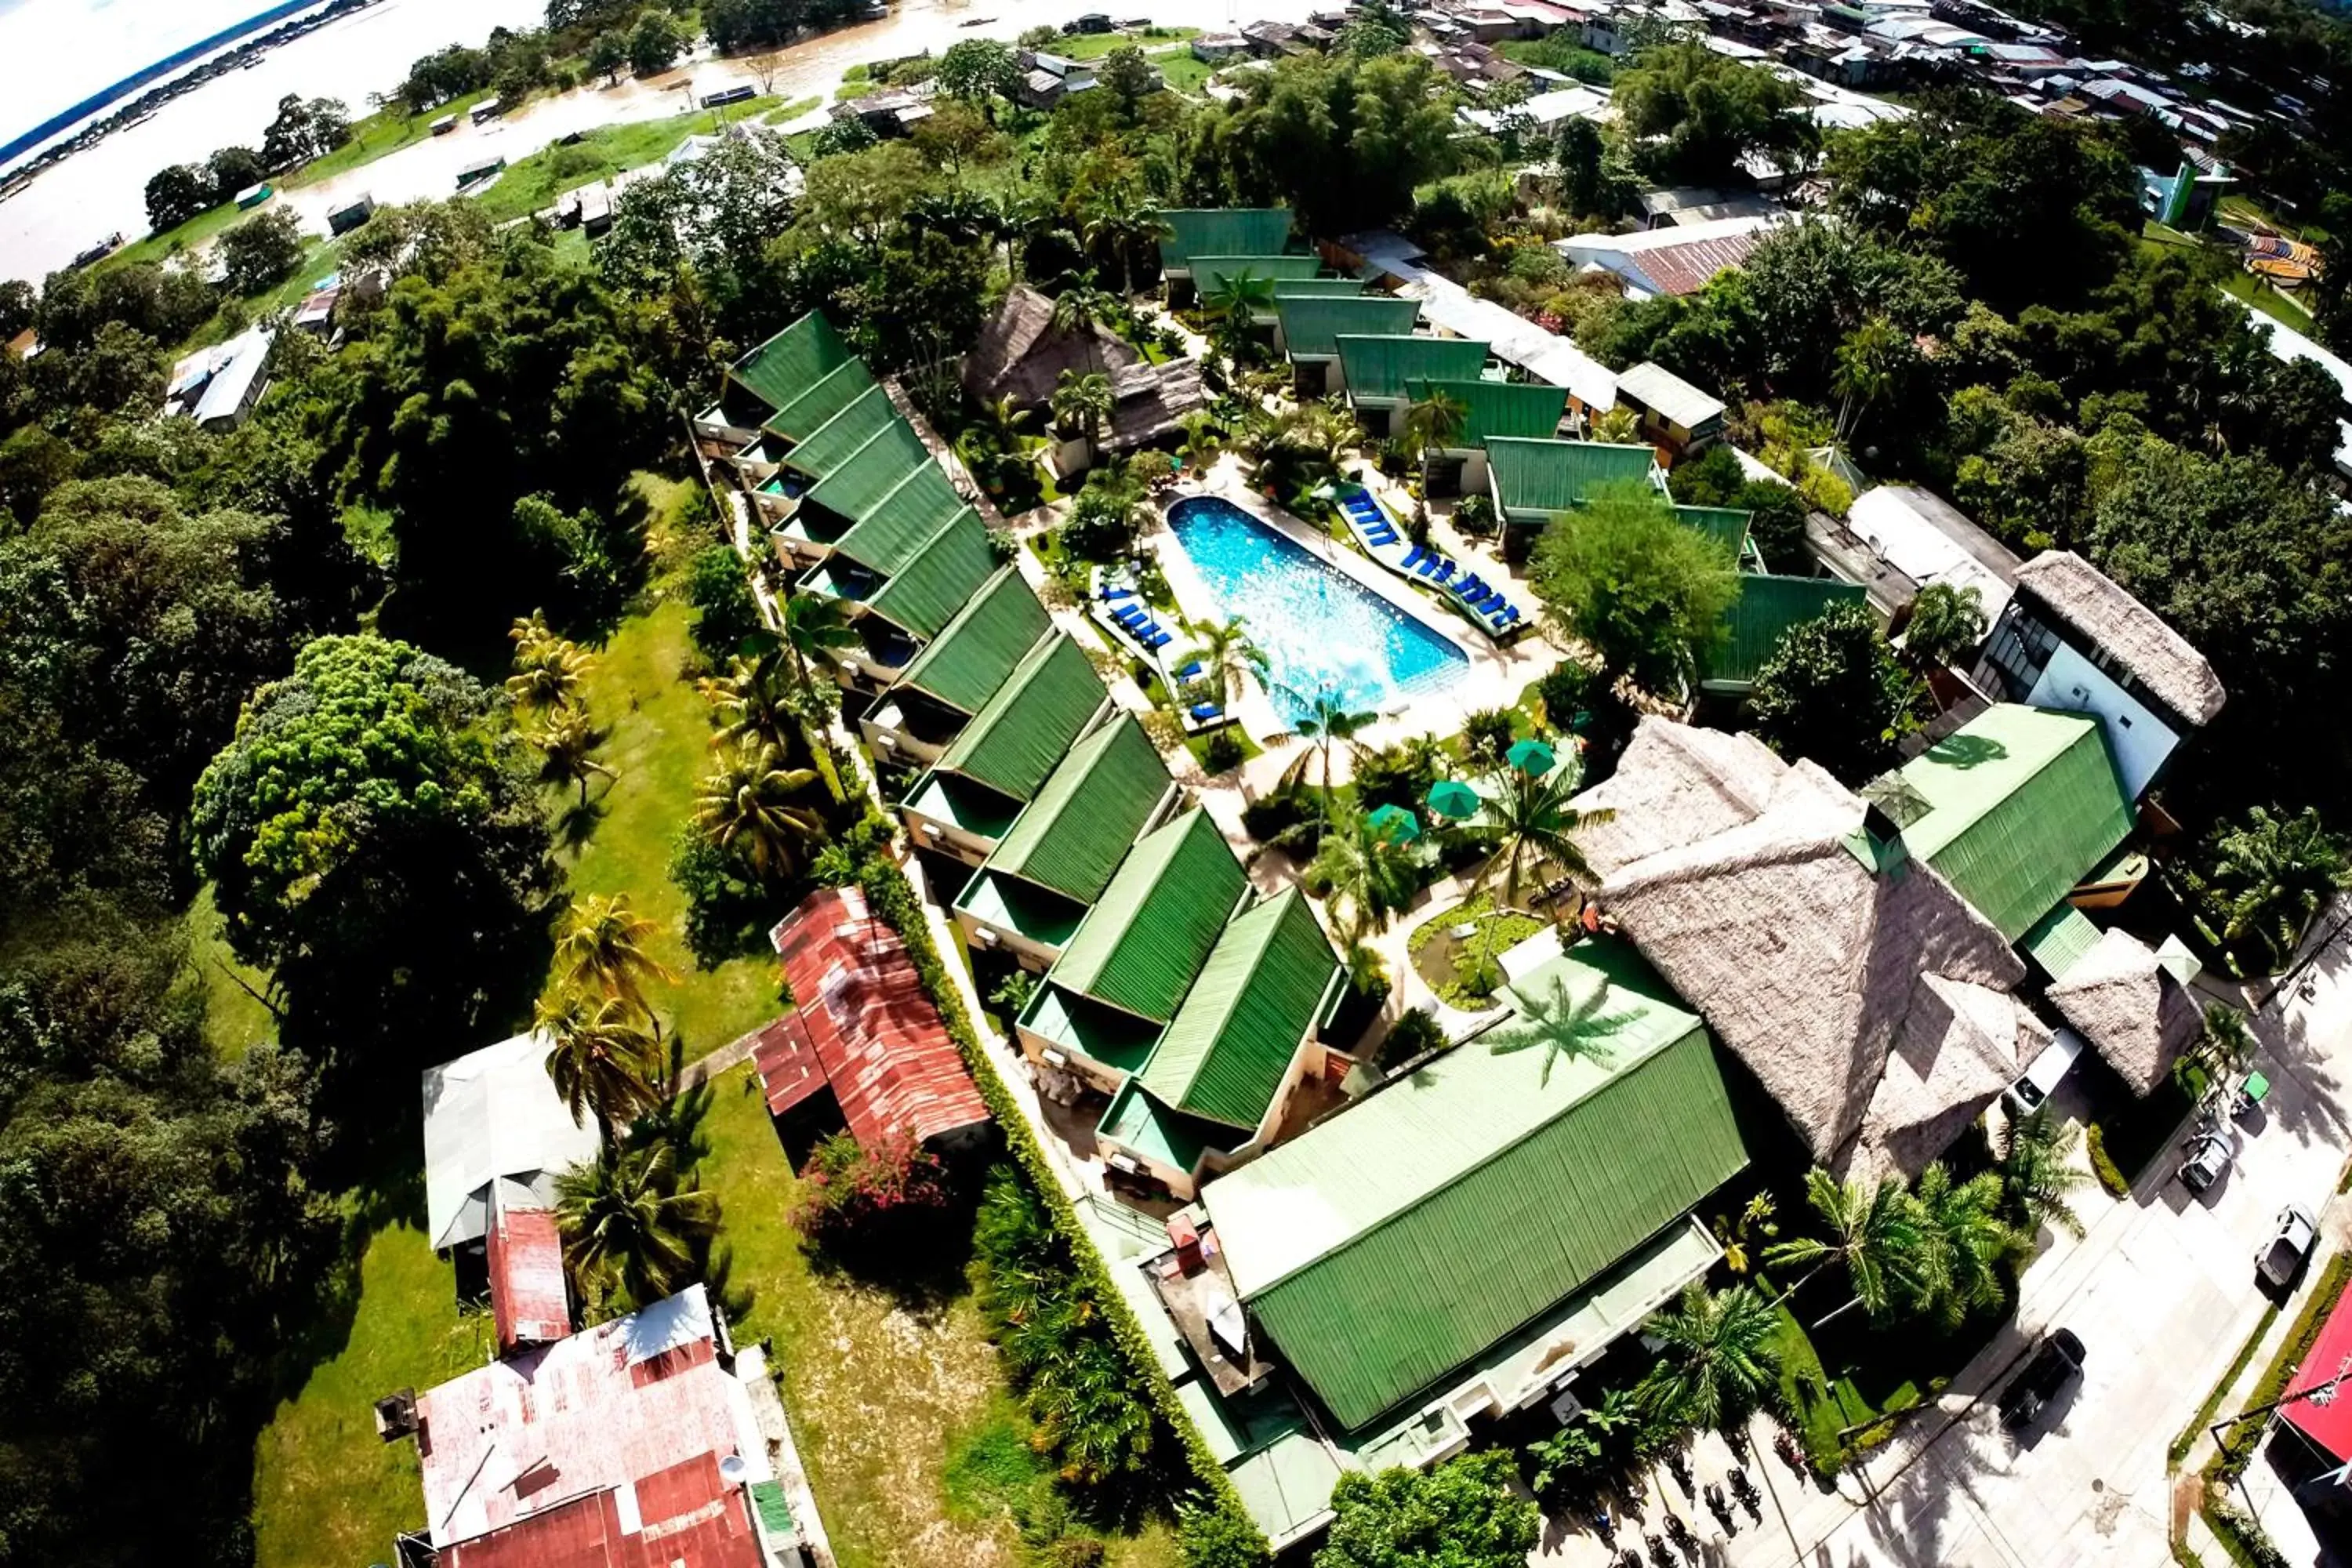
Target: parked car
[(2040, 1077), (2055, 1363), (2210, 1153), (2283, 1256)]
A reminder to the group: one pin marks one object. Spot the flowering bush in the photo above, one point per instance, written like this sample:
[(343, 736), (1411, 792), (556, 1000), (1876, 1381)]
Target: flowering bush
[(859, 1204)]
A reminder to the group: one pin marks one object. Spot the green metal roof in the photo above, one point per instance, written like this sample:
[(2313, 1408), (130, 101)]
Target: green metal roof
[(925, 593), (1386, 367), (834, 391), (1388, 1246), (1766, 609), (1536, 478), (1143, 943), (2013, 807), (1173, 1139), (842, 436), (775, 1511), (892, 494), (1498, 409), (1042, 915), (1228, 1045), (1318, 288), (968, 661), (791, 362), (1312, 325), (963, 803), (1071, 837), (1723, 524), (1016, 739), (1221, 231), (2060, 939), (1210, 272), (1120, 1041)]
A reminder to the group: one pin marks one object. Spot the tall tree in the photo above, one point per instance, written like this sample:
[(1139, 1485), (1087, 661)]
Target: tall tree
[(1227, 652), (1718, 1358), (1366, 872), (1874, 1236), (2037, 1171), (2265, 880), (1327, 721), (1532, 823), (633, 1229), (749, 807), (600, 1058), (1946, 625), (1648, 594), (1832, 690), (1696, 113), (603, 947), (1966, 1240), (1467, 1512)]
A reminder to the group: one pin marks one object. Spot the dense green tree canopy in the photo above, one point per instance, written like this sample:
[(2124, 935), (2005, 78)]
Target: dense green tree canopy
[(1833, 691), (1464, 1513), (1694, 114), (1646, 593)]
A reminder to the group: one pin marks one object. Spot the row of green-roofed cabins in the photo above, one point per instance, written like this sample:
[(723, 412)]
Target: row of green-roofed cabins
[(1224, 235)]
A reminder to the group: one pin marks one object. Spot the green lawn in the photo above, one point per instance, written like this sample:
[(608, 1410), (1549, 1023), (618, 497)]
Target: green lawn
[(234, 1018), (533, 184), (325, 1490), (1094, 46), (386, 131), (785, 114), (658, 740)]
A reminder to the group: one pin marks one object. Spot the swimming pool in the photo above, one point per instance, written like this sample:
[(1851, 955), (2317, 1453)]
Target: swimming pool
[(1319, 628)]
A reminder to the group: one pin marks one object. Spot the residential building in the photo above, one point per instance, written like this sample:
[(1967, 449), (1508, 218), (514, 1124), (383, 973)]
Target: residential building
[(1491, 410), (1673, 412), (1541, 111), (1675, 260), (1036, 885), (2132, 1006), (2184, 200), (350, 215), (1379, 374), (1681, 206), (1927, 540), (864, 1048), (1308, 331), (1216, 231), (496, 1135), (1533, 481), (217, 387), (2073, 638), (1047, 78), (967, 801), (936, 695)]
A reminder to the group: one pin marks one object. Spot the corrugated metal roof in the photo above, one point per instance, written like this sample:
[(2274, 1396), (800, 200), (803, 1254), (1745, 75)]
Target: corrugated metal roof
[(1656, 389), (965, 664), (2013, 807), (791, 362), (889, 516), (833, 391), (1723, 524), (1228, 1045), (529, 1302), (1071, 837), (1318, 288), (1221, 231), (1389, 1245), (1501, 409), (1388, 366), (845, 435), (1537, 479), (944, 573), (1014, 740), (1143, 943), (1170, 1137), (1312, 326), (1766, 608), (1210, 272), (2060, 939)]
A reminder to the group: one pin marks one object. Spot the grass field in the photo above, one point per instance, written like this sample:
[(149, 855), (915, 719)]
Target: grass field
[(1094, 46), (325, 1490), (533, 184), (386, 131), (235, 1019)]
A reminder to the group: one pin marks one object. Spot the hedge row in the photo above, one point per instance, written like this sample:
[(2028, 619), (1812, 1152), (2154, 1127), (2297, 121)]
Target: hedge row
[(892, 896), (2297, 1345)]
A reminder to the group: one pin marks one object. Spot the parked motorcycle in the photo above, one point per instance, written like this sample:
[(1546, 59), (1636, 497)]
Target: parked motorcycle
[(1744, 1490)]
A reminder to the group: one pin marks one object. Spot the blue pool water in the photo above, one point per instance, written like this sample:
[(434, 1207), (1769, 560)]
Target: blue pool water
[(1319, 627)]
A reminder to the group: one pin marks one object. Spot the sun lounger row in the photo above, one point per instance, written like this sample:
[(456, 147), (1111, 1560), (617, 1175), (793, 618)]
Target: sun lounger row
[(1367, 517), (1487, 603), (1136, 623)]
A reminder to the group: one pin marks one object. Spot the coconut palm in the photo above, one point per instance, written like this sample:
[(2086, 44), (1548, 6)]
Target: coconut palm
[(1081, 307), (548, 670), (602, 949), (1533, 824), (1945, 623), (1204, 440), (1327, 721), (1431, 424), (2269, 879), (1122, 228), (599, 1057), (633, 1232), (1082, 404), (1717, 1357), (2037, 1171), (1225, 651), (1876, 1234), (746, 806), (1966, 1240), (1866, 368), (566, 742), (1368, 873), (756, 699), (814, 626)]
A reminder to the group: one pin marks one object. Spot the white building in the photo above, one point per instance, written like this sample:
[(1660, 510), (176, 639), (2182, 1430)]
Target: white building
[(494, 1126)]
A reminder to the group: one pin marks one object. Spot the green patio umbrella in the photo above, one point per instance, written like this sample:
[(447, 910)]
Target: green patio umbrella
[(1396, 824), (1532, 757), (1451, 797)]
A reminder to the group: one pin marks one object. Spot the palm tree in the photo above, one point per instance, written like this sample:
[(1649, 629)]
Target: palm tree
[(1204, 440), (1124, 227), (1945, 623), (814, 626), (1966, 1240), (1431, 424), (1225, 651), (602, 949), (1866, 362), (1082, 402), (633, 1232), (599, 1057), (1080, 308), (1533, 823), (2037, 1171), (755, 700), (1718, 1356), (746, 806), (548, 669), (566, 742), (2270, 878), (1368, 872), (1876, 1236), (1239, 298), (1329, 720)]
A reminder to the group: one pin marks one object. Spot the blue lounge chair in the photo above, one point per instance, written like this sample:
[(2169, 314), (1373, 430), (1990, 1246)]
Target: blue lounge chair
[(1127, 615), (1380, 540), (1189, 671), (1413, 558), (1204, 711), (1470, 589), (1155, 641), (1492, 604), (1113, 592), (1508, 619), (1444, 573)]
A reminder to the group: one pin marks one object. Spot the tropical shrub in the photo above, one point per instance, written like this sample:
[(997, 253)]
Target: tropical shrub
[(860, 1207)]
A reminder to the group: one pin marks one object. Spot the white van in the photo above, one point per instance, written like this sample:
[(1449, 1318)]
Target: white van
[(2043, 1073)]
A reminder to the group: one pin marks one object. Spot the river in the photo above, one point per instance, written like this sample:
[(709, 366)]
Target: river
[(102, 188)]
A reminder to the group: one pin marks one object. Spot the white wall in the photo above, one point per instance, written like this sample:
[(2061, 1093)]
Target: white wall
[(2138, 739)]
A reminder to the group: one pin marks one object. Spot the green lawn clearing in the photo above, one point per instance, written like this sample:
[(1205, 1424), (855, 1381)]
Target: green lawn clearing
[(785, 115), (1094, 46), (1463, 972), (386, 131), (325, 1489), (533, 184), (235, 1019)]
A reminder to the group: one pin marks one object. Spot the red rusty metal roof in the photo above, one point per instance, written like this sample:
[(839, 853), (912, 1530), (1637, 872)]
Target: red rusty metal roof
[(528, 1300), (683, 1516), (785, 1059), (2326, 1418), (865, 1018), (1686, 267)]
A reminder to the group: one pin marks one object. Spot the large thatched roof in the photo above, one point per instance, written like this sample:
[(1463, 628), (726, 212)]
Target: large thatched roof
[(1675, 785), (2127, 1005), (1152, 400), (1960, 1045), (2101, 609), (1805, 942), (1022, 354)]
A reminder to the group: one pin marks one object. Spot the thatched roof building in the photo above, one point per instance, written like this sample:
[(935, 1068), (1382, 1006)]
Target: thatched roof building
[(2132, 1010), (1020, 355), (1149, 402), (2127, 631), (1867, 997)]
